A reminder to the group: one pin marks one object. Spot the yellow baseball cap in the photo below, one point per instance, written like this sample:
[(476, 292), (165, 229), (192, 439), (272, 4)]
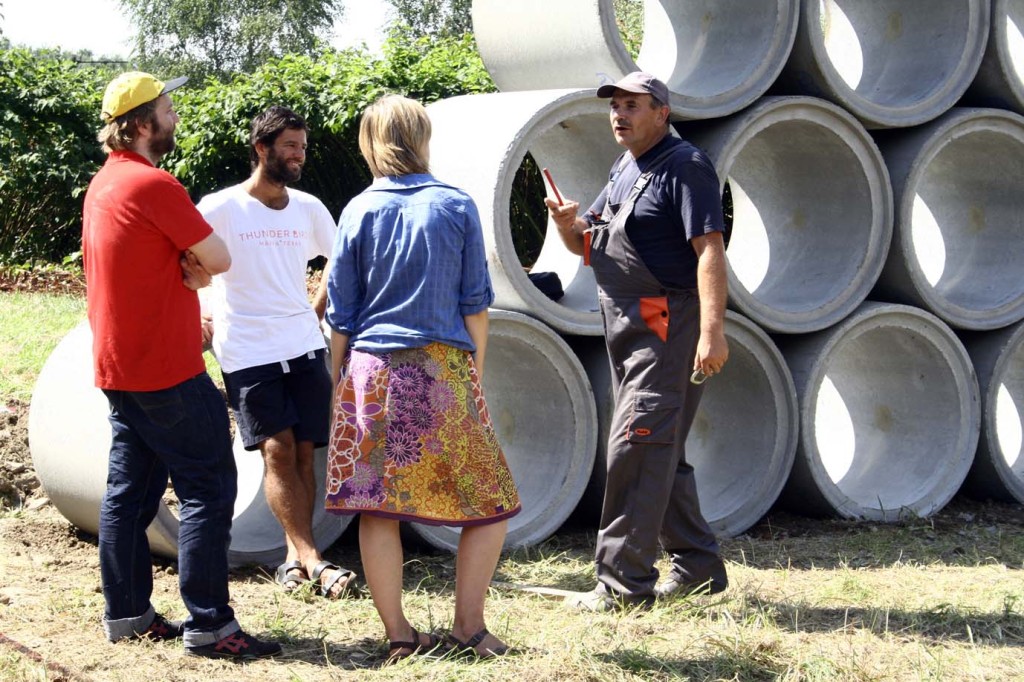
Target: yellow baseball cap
[(133, 89)]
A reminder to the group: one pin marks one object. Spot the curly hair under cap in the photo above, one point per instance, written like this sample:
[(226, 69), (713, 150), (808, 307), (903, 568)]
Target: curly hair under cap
[(394, 133), (121, 133)]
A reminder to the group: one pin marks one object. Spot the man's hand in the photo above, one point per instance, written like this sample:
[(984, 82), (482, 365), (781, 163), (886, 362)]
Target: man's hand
[(206, 322), (712, 352), (194, 275), (565, 219)]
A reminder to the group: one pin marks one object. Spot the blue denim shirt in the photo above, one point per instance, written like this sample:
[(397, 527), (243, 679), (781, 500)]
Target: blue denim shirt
[(408, 264)]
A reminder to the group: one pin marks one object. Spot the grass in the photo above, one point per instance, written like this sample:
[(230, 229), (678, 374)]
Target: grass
[(33, 325), (924, 599)]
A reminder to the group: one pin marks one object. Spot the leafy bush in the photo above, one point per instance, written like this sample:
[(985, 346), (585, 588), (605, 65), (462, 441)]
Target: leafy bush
[(48, 151), (330, 92), (49, 112)]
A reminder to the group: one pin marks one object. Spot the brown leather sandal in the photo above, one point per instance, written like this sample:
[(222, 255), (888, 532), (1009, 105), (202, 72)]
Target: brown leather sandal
[(414, 646), (469, 646)]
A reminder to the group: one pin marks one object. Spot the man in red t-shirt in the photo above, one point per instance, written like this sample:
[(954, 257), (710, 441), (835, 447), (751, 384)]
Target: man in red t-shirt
[(146, 249)]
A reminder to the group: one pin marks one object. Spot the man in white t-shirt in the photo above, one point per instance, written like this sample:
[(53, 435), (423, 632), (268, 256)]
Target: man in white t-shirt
[(266, 334)]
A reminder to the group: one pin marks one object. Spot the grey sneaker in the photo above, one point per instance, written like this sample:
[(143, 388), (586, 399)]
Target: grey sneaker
[(674, 587)]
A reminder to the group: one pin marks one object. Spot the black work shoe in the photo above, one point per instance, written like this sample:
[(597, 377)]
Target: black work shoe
[(163, 630), (673, 587), (238, 646)]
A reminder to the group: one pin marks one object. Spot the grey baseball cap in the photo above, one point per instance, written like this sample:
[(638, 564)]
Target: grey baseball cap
[(638, 82)]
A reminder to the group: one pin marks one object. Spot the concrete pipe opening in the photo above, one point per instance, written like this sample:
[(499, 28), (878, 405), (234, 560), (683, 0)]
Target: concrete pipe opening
[(543, 411), (891, 64), (69, 439), (479, 142), (1000, 79), (889, 415), (958, 229), (812, 210), (716, 56), (744, 436), (998, 469)]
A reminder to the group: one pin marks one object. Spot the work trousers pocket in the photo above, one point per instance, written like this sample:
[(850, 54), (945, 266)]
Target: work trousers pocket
[(654, 417)]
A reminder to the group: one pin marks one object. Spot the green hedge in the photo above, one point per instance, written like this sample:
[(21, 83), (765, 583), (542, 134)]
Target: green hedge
[(49, 107)]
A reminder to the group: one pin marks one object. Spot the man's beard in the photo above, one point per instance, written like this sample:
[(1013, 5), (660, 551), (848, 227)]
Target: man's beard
[(277, 170), (162, 142)]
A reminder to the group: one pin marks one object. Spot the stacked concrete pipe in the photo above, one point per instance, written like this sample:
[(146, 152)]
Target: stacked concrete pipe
[(812, 210), (1000, 79), (543, 411), (891, 64), (478, 143), (998, 469), (744, 436), (716, 56), (958, 231), (889, 415), (69, 438)]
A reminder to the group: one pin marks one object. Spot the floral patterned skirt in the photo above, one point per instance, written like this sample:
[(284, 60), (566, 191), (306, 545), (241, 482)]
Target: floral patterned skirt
[(412, 440)]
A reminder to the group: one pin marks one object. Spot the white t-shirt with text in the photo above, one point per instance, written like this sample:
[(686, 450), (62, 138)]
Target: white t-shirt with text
[(260, 307)]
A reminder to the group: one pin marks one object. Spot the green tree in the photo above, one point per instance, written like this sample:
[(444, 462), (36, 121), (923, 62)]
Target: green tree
[(435, 18), (204, 38)]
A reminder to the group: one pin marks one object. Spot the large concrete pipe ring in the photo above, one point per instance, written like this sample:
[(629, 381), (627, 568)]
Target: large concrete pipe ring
[(891, 64), (812, 210), (998, 469), (1000, 79), (958, 233), (543, 411), (744, 436), (69, 438), (889, 415), (478, 143), (716, 56)]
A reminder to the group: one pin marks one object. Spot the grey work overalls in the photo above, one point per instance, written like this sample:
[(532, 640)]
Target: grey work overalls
[(651, 333)]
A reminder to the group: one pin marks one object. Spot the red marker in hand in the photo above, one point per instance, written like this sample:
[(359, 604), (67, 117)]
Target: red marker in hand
[(547, 175)]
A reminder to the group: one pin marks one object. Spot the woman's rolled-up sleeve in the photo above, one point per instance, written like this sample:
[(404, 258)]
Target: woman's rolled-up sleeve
[(475, 293)]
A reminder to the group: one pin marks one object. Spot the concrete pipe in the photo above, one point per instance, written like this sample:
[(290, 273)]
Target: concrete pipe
[(543, 411), (1000, 79), (998, 469), (958, 228), (889, 415), (743, 439), (812, 210), (891, 64), (69, 438), (716, 56), (478, 143)]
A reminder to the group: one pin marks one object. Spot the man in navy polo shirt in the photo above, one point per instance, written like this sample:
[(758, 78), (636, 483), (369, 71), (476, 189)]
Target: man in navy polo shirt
[(654, 237)]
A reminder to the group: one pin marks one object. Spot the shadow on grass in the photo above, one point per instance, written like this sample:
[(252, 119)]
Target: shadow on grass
[(944, 623), (757, 663)]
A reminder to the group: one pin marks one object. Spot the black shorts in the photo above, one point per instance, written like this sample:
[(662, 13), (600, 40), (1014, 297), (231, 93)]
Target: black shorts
[(268, 399)]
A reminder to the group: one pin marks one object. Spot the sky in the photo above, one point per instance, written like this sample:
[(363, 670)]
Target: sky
[(100, 26)]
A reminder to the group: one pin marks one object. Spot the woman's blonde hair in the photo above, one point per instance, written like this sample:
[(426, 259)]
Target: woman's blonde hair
[(393, 136)]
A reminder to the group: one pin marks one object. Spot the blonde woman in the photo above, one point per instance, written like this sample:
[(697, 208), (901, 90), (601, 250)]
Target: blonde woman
[(411, 438)]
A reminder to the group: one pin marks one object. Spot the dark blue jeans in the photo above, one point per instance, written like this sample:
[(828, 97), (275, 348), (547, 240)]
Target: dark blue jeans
[(182, 432)]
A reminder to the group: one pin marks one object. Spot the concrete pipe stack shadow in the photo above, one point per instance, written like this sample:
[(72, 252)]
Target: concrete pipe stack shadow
[(69, 438)]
